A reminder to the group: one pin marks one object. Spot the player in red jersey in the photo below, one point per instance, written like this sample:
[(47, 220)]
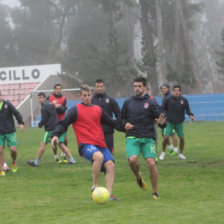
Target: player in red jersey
[(86, 120), (60, 104)]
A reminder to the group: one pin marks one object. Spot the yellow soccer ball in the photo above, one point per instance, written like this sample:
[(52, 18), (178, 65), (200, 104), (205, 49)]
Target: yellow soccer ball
[(100, 195)]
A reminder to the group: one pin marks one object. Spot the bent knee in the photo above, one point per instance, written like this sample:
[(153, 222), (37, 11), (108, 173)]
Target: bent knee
[(151, 162), (98, 156), (13, 148), (133, 159)]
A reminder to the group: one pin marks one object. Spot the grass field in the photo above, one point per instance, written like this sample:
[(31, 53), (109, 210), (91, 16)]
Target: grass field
[(191, 191)]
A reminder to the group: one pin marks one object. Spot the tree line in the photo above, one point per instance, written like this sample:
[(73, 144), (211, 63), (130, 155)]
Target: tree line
[(116, 40)]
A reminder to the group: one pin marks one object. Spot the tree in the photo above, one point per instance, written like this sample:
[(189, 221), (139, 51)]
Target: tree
[(94, 46), (220, 53), (149, 57), (178, 24), (39, 29), (7, 46)]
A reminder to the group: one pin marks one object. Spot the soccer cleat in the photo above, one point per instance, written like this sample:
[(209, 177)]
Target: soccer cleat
[(181, 156), (2, 173), (6, 168), (73, 163), (162, 156), (142, 183), (155, 195), (14, 168), (65, 161), (113, 198), (31, 163), (57, 160), (172, 153), (60, 161)]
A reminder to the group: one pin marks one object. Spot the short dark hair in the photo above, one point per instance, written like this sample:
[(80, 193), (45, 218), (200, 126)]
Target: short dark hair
[(57, 85), (177, 86), (42, 94), (164, 84), (99, 81), (140, 79)]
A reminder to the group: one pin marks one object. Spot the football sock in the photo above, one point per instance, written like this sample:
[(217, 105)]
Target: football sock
[(170, 147), (63, 154), (175, 149), (56, 156), (36, 161)]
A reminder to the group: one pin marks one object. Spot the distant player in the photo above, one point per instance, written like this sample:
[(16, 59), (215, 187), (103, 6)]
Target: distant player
[(86, 120), (173, 149), (175, 107), (8, 132), (49, 121), (139, 114), (60, 104), (109, 105)]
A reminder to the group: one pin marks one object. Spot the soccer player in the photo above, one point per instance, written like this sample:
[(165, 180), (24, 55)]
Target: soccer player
[(173, 149), (60, 104), (138, 116), (109, 105), (175, 108), (147, 92), (86, 120), (49, 121), (8, 132)]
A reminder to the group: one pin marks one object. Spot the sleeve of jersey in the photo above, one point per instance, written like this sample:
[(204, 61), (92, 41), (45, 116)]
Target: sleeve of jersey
[(124, 114), (106, 119), (62, 109), (43, 118), (164, 106), (16, 113), (188, 110), (116, 109), (69, 118)]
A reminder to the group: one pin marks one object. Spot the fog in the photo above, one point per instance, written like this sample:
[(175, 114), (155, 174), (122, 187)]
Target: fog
[(166, 41)]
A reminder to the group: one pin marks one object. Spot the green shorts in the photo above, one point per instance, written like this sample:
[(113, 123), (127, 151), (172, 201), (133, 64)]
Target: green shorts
[(48, 135), (144, 145), (10, 138), (163, 131), (178, 127)]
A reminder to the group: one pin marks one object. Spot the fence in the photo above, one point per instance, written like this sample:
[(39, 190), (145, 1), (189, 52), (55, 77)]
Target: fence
[(206, 107)]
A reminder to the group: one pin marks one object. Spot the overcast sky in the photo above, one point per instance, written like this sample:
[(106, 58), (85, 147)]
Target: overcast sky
[(11, 3)]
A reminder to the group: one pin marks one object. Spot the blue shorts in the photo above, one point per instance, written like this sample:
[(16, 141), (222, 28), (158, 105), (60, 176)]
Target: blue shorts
[(89, 150)]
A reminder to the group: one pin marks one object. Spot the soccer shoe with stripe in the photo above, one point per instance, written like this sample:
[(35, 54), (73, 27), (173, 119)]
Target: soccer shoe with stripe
[(6, 168), (162, 156), (113, 198), (155, 195), (31, 163), (172, 152), (72, 162), (181, 156), (14, 168), (2, 173), (65, 161), (142, 183)]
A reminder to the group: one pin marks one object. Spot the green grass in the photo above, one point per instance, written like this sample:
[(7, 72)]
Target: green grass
[(191, 191)]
